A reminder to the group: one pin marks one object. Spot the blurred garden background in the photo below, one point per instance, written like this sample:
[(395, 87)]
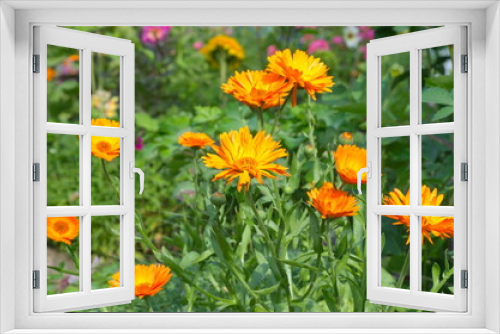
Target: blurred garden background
[(293, 243)]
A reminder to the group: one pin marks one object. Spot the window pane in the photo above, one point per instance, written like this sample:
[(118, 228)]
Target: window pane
[(395, 246), (395, 94), (105, 170), (395, 168), (105, 235), (63, 86), (437, 169), (437, 254), (63, 170), (437, 84), (105, 88), (63, 255)]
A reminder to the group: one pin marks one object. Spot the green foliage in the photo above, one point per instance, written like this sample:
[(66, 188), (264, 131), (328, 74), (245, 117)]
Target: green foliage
[(268, 250)]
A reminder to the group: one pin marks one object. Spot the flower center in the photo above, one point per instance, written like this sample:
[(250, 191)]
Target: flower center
[(103, 146), (61, 227), (246, 164)]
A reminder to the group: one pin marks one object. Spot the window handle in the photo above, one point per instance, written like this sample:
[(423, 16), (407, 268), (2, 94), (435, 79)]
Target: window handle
[(368, 171), (141, 175)]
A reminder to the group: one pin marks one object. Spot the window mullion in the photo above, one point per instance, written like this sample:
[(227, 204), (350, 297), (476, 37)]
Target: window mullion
[(415, 244), (85, 179)]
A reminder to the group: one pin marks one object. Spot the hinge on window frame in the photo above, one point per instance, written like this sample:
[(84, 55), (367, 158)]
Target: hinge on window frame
[(464, 171), (36, 63), (36, 279), (465, 64), (465, 279), (36, 172)]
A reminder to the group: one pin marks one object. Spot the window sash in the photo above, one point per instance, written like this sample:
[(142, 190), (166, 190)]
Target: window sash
[(413, 43), (87, 43)]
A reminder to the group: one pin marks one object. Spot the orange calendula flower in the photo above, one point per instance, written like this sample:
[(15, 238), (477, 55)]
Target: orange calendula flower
[(258, 89), (195, 139), (441, 227), (106, 148), (62, 229), (331, 202), (349, 159), (149, 280), (223, 46), (303, 70), (243, 156), (51, 73)]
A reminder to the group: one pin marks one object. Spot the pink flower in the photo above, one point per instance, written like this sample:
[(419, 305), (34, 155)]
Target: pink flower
[(307, 38), (366, 33), (337, 39), (153, 35), (139, 144), (318, 45), (271, 49), (363, 49), (198, 45)]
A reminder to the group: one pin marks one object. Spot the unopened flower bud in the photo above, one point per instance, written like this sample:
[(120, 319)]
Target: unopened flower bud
[(346, 138), (310, 150), (218, 199)]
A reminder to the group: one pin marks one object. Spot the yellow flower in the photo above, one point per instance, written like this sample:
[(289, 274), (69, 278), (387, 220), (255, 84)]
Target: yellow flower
[(149, 280), (106, 148), (51, 73), (349, 159), (244, 156), (195, 139), (231, 50), (442, 227), (258, 89), (346, 138), (63, 229), (303, 70), (332, 203)]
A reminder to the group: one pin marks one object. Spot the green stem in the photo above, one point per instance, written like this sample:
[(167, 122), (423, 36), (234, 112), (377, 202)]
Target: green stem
[(196, 186), (156, 251), (222, 74), (270, 245), (74, 257), (106, 174), (148, 304), (402, 276), (312, 139), (331, 256), (278, 114), (317, 266), (260, 114), (64, 271)]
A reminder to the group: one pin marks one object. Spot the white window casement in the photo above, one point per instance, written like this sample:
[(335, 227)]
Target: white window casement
[(84, 44), (414, 130), (477, 142)]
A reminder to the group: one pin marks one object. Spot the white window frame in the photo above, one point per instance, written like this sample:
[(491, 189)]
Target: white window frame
[(85, 44), (414, 129), (484, 103)]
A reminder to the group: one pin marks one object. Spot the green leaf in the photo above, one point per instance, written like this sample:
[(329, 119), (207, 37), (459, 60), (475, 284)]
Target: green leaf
[(207, 114), (259, 308), (437, 95), (188, 259), (315, 230), (436, 271), (245, 241), (258, 275), (203, 256), (298, 264), (268, 290), (146, 122), (442, 113)]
